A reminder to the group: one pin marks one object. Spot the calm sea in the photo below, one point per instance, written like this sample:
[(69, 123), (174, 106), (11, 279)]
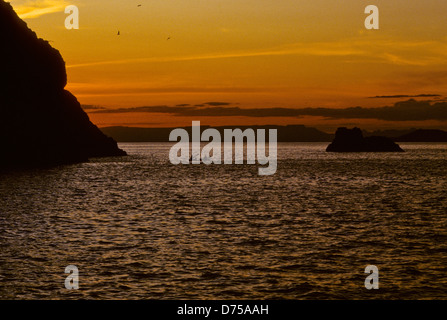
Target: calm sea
[(139, 227)]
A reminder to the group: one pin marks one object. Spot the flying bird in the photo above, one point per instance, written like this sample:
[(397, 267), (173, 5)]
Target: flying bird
[(118, 33), (168, 38), (139, 5)]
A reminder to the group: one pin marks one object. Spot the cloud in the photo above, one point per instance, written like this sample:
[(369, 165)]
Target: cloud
[(380, 50), (150, 109), (91, 107), (29, 9), (313, 49), (110, 89), (217, 104), (410, 110), (407, 96)]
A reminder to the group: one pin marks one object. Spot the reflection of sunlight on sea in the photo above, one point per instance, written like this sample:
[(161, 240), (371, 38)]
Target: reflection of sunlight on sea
[(139, 227)]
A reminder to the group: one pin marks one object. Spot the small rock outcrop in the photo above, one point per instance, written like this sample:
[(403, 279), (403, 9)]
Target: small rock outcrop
[(352, 140), (41, 123)]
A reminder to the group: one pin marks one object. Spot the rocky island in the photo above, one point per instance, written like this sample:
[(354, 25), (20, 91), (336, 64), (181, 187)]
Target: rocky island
[(41, 123), (352, 140)]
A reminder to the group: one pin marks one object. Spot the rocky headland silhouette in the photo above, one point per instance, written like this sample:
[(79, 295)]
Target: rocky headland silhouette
[(352, 140), (41, 123)]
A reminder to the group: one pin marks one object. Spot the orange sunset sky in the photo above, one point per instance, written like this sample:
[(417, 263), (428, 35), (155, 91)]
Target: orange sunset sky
[(269, 56)]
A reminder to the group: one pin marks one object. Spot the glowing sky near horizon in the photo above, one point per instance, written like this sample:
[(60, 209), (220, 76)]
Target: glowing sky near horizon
[(263, 53)]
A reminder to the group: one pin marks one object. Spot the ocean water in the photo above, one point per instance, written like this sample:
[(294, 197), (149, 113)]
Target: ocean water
[(139, 227)]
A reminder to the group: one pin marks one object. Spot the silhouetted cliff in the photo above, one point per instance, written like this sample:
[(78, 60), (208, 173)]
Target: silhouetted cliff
[(40, 122), (352, 140)]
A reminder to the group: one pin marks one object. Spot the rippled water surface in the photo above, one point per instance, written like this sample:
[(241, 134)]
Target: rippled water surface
[(139, 227)]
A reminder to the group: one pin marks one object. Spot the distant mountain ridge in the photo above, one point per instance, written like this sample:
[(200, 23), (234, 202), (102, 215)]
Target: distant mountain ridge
[(424, 135), (289, 133), (389, 133)]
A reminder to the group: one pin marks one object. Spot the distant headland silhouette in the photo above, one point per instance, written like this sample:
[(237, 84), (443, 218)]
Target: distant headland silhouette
[(420, 135), (41, 123), (288, 133)]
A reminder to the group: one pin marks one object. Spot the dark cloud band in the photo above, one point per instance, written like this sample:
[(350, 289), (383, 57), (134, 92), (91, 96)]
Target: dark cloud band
[(410, 110), (407, 96)]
